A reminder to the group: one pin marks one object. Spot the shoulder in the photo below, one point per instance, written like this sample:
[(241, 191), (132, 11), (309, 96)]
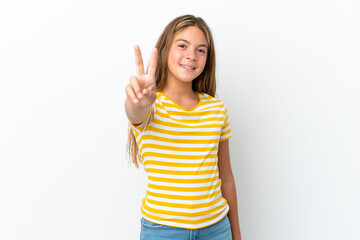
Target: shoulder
[(159, 98), (212, 101)]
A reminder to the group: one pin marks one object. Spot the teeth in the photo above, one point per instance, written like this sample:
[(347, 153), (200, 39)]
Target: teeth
[(187, 67)]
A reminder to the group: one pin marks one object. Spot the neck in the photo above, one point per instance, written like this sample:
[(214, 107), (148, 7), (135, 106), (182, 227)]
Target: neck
[(178, 90)]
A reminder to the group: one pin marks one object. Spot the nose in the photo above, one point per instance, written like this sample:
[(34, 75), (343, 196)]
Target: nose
[(191, 54)]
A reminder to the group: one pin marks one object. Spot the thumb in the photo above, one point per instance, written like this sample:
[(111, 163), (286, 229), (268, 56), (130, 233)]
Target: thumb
[(152, 87)]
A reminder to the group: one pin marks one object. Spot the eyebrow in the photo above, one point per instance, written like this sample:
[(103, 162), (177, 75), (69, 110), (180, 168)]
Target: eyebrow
[(201, 45)]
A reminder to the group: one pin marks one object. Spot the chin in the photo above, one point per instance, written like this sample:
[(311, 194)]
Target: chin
[(187, 79)]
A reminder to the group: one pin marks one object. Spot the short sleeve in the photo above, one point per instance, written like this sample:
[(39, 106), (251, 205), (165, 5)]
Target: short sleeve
[(226, 130), (140, 128)]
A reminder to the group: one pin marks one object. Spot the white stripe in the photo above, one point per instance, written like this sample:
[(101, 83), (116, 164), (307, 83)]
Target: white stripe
[(196, 117), (180, 145), (166, 101), (199, 116), (179, 110), (190, 124), (183, 153), (184, 169), (215, 105), (202, 176), (210, 100), (225, 136), (186, 210), (175, 160), (185, 130), (206, 200), (164, 143), (209, 137), (168, 184), (181, 193)]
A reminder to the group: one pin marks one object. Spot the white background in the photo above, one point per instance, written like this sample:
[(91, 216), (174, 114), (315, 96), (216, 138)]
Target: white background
[(287, 70)]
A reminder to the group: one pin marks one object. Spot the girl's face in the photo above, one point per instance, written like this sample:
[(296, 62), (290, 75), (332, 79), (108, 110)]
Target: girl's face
[(187, 55)]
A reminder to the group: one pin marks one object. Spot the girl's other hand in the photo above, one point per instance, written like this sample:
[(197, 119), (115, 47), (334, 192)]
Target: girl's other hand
[(142, 88)]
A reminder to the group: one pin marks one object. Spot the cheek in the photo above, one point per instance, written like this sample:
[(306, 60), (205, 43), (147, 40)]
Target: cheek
[(172, 59), (203, 63), (176, 57)]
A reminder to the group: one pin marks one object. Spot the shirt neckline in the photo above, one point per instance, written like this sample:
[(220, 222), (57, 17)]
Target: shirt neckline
[(177, 105)]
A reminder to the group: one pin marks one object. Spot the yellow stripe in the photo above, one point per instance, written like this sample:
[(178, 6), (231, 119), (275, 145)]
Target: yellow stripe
[(186, 206), (214, 106), (164, 155), (174, 172), (202, 120), (196, 114), (171, 124), (182, 133), (225, 138), (175, 180), (189, 141), (184, 189), (181, 197), (178, 164), (185, 149), (214, 100), (226, 132)]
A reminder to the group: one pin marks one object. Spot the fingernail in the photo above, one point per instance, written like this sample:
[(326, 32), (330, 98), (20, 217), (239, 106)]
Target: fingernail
[(135, 101), (139, 95)]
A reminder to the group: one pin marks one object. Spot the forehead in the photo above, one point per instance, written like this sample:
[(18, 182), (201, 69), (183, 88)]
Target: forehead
[(192, 34)]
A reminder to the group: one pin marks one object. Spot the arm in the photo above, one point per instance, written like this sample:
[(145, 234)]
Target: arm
[(228, 188), (135, 114)]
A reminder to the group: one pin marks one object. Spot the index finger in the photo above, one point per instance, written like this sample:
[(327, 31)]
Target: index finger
[(153, 62), (138, 61)]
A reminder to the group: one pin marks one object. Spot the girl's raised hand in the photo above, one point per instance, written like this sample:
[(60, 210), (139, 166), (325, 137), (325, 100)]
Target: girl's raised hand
[(142, 88)]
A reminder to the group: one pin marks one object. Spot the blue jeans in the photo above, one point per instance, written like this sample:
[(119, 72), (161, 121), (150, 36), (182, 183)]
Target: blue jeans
[(153, 231)]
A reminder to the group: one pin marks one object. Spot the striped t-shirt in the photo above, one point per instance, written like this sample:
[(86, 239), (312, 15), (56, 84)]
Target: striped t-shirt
[(179, 149)]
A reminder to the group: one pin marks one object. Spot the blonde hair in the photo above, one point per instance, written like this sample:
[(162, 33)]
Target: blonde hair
[(205, 82)]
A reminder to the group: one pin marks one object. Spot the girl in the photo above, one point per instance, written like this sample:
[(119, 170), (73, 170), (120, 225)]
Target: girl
[(179, 131)]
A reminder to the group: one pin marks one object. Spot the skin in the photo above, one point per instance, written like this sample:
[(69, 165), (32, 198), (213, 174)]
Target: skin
[(140, 91), (228, 188), (188, 48)]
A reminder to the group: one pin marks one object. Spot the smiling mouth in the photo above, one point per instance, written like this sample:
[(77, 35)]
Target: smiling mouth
[(187, 67)]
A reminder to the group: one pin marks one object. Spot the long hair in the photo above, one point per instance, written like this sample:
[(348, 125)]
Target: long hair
[(205, 82)]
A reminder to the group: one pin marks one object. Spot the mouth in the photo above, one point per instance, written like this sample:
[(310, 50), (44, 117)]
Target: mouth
[(188, 67)]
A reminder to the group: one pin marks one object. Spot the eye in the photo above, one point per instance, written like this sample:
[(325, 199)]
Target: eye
[(182, 46), (202, 51)]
